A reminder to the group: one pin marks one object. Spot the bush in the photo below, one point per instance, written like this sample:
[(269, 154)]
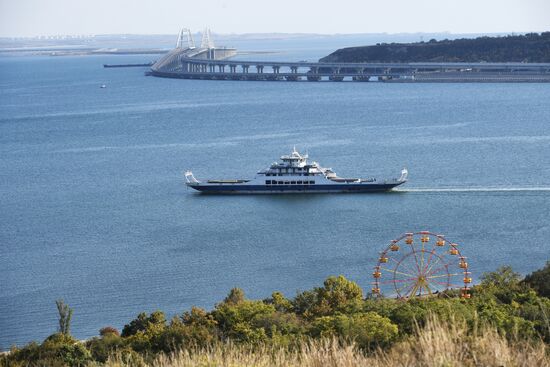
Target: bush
[(108, 330), (337, 295), (109, 344), (540, 280), (57, 350), (143, 323), (239, 320), (365, 329), (196, 328)]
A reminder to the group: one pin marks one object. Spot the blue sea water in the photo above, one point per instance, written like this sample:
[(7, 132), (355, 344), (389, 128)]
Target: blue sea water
[(93, 208)]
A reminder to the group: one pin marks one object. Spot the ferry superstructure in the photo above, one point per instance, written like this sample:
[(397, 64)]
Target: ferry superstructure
[(294, 175)]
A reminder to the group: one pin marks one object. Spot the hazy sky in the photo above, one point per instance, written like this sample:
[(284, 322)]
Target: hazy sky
[(50, 17)]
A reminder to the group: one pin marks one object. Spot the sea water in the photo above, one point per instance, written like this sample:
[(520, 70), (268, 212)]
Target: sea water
[(94, 210)]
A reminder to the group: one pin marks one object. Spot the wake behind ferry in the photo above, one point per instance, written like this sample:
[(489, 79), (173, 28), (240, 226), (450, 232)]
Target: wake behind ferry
[(294, 175)]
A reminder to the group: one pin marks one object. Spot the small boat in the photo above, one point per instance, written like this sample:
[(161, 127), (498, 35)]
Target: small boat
[(294, 175), (102, 86)]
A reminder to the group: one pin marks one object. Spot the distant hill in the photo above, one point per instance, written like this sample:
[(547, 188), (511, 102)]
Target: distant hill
[(531, 47)]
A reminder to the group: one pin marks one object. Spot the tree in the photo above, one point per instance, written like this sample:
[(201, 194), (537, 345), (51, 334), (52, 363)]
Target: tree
[(280, 302), (503, 277), (504, 284), (108, 330), (143, 323), (235, 296), (540, 280), (241, 321), (65, 316), (338, 294)]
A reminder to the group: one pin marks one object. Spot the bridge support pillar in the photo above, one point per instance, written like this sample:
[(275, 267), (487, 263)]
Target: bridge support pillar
[(233, 68), (245, 69), (260, 68), (294, 69), (276, 69)]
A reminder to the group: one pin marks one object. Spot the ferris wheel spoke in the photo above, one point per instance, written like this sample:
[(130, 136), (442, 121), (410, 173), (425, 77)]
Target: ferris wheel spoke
[(438, 287), (429, 259), (404, 287), (422, 257), (390, 281), (443, 275), (412, 292), (416, 259), (448, 284), (398, 272), (406, 266), (431, 272), (433, 264), (428, 288)]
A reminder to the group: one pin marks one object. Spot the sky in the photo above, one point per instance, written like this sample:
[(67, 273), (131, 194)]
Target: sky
[(28, 18)]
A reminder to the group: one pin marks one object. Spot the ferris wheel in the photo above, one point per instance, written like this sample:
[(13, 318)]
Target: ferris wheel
[(419, 264)]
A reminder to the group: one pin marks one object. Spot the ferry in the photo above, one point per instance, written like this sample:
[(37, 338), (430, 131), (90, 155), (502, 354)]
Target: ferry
[(294, 175)]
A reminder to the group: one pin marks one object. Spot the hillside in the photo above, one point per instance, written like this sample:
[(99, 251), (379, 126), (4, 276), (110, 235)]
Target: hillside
[(531, 47), (504, 323)]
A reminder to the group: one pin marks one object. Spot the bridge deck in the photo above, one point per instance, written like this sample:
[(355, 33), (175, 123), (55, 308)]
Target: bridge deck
[(190, 63)]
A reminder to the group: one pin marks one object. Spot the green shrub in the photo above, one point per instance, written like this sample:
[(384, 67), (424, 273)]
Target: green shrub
[(57, 350), (540, 280), (366, 329), (239, 320), (338, 294), (144, 323), (109, 344)]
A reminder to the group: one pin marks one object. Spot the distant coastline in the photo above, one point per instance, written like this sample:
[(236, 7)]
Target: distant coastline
[(529, 48), (124, 44)]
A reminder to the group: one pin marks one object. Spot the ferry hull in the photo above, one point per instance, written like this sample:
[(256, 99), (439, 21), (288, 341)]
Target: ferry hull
[(294, 189)]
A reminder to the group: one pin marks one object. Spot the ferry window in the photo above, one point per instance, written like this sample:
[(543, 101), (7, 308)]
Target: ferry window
[(293, 182), (299, 182), (280, 182), (287, 182), (268, 182), (280, 174), (311, 182)]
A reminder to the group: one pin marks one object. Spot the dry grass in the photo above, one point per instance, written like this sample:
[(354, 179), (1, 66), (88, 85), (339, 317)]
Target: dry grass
[(437, 344)]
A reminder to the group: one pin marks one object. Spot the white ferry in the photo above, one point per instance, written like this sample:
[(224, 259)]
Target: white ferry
[(294, 175)]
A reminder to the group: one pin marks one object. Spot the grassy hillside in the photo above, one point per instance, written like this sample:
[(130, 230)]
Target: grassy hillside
[(505, 323), (531, 47)]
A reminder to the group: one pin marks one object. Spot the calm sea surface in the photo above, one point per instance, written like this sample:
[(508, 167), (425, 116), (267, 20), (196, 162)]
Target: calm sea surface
[(93, 208)]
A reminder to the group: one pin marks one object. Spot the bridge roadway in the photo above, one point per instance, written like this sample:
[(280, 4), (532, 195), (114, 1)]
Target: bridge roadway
[(183, 65)]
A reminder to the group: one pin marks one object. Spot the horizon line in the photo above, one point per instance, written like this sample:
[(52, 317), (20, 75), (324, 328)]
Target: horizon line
[(272, 33)]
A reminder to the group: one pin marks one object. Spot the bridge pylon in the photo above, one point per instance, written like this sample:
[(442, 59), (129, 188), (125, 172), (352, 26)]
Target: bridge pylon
[(207, 41), (185, 33)]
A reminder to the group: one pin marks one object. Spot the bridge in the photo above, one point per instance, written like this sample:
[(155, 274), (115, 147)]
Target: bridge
[(210, 63)]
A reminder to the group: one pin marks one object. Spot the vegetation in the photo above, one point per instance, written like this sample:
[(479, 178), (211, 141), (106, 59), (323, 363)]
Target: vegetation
[(65, 316), (504, 323), (531, 47)]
